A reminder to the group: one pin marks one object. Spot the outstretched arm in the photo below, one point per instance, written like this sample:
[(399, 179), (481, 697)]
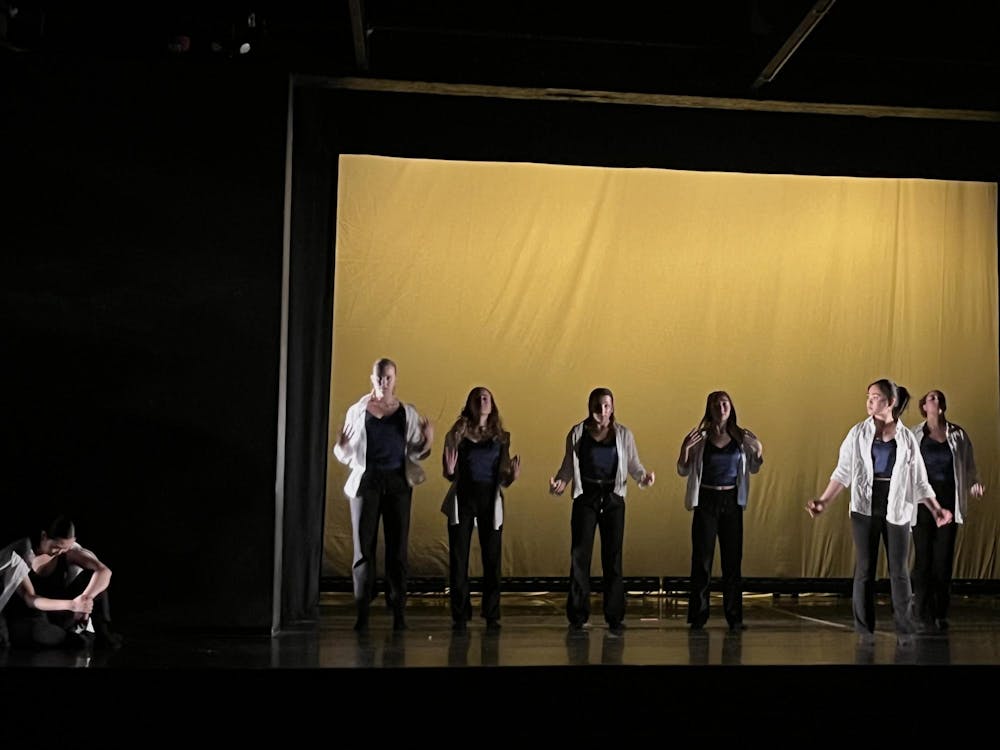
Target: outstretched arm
[(818, 504), (841, 476), (82, 604)]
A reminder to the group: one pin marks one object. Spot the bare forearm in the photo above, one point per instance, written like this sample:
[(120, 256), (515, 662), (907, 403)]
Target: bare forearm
[(44, 604), (833, 489), (932, 503), (98, 582), (682, 457)]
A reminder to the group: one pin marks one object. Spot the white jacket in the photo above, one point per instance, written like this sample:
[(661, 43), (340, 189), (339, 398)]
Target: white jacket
[(964, 462), (628, 459), (13, 570), (354, 453), (749, 464), (908, 484)]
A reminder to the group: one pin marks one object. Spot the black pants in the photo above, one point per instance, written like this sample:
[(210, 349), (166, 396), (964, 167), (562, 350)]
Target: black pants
[(933, 559), (869, 532), (717, 515), (597, 508), (32, 627), (385, 496), (476, 501)]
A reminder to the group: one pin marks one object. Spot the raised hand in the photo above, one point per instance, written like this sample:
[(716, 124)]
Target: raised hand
[(693, 438), (450, 460), (690, 440)]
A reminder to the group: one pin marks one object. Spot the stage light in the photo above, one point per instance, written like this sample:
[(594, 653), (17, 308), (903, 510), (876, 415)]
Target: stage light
[(246, 36), (179, 44)]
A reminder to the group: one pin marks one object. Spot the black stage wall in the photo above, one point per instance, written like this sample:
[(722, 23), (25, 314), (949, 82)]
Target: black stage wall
[(142, 239)]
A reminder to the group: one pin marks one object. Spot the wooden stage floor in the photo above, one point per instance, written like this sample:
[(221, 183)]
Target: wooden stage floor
[(797, 667)]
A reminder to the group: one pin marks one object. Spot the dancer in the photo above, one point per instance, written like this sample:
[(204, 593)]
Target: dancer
[(880, 461), (600, 456)]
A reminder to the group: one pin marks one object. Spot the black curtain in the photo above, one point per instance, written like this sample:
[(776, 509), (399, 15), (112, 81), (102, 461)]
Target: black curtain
[(310, 341)]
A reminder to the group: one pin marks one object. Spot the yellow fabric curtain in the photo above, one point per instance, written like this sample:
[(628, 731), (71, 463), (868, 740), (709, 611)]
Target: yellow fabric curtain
[(541, 282)]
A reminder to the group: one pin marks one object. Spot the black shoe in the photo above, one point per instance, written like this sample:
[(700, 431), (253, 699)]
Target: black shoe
[(77, 641), (696, 625), (737, 627), (108, 639), (361, 624), (493, 625), (617, 628), (399, 622), (459, 626)]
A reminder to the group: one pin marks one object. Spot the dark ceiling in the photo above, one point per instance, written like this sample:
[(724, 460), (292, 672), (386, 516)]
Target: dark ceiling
[(887, 53)]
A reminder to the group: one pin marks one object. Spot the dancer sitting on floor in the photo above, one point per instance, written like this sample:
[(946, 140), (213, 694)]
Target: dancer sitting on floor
[(62, 591)]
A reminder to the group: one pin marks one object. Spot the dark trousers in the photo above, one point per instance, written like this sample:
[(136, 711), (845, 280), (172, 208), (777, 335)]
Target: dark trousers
[(476, 502), (385, 496), (933, 560), (597, 508), (868, 533), (31, 627), (717, 515)]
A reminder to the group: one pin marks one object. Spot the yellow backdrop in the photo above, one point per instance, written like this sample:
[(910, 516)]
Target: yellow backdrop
[(541, 282)]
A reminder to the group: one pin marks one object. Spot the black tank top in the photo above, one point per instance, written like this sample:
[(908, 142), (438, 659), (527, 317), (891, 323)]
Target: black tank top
[(719, 466), (598, 460), (479, 461), (883, 457), (938, 460), (386, 448)]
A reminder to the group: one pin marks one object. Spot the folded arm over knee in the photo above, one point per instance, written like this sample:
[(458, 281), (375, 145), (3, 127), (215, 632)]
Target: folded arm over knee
[(101, 573)]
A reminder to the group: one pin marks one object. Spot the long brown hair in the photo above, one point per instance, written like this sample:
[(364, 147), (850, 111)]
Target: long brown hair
[(468, 420), (942, 403), (732, 425)]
